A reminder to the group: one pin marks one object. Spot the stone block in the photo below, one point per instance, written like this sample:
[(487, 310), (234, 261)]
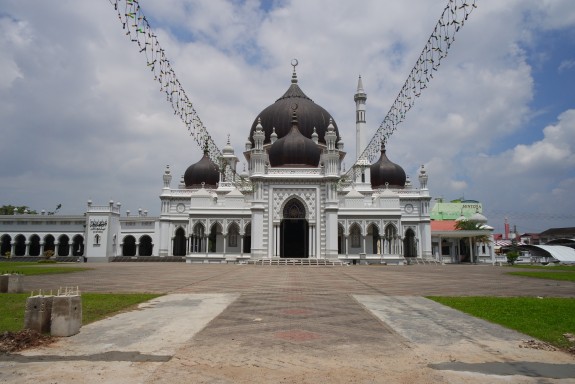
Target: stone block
[(15, 282), (37, 315), (4, 283), (66, 318)]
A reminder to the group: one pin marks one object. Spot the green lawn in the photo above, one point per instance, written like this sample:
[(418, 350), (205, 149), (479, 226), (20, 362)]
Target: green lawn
[(34, 268), (554, 272), (95, 306), (546, 319)]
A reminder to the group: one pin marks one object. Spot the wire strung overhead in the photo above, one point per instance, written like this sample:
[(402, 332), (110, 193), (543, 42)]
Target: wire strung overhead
[(452, 19), (138, 29), (135, 24)]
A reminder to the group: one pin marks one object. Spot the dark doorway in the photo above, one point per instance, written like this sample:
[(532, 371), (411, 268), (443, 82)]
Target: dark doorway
[(294, 231), (409, 247), (179, 242)]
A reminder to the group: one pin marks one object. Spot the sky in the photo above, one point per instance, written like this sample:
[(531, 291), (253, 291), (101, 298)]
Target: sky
[(81, 116)]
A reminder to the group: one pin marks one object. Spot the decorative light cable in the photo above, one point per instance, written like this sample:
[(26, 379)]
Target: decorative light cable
[(452, 19), (135, 24), (138, 29)]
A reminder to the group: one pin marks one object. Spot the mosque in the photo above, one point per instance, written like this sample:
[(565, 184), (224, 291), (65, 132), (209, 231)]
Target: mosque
[(291, 202)]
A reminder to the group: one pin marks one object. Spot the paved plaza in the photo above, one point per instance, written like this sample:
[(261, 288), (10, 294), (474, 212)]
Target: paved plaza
[(293, 324)]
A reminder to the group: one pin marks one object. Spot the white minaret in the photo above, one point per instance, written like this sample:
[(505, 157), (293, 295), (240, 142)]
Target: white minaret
[(360, 97)]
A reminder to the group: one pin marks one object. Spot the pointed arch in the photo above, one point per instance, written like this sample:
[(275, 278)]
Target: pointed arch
[(179, 242), (34, 245), (233, 237), (294, 229), (247, 247), (63, 245), (145, 248), (340, 239), (355, 235), (49, 243), (215, 238), (5, 246), (78, 245), (129, 246), (20, 245), (409, 244), (391, 240), (373, 239), (197, 244)]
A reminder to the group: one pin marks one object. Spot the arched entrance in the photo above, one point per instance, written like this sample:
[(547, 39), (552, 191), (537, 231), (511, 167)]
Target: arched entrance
[(179, 242), (294, 241), (129, 247), (409, 248)]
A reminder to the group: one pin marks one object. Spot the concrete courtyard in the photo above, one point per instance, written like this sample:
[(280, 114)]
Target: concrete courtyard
[(293, 324)]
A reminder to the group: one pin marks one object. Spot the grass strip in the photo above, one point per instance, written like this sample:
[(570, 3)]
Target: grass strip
[(35, 268), (548, 268), (546, 319), (95, 306), (564, 276)]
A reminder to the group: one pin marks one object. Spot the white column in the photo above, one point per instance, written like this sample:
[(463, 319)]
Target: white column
[(27, 252), (242, 245), (225, 242), (137, 249)]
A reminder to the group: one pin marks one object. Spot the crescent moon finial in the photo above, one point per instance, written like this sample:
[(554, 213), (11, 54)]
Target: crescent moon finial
[(294, 63)]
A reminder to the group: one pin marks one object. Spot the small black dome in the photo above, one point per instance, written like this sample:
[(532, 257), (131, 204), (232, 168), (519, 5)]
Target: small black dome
[(385, 171), (294, 149), (310, 115), (204, 171)]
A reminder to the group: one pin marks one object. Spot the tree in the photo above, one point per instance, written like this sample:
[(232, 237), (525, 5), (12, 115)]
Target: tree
[(11, 210)]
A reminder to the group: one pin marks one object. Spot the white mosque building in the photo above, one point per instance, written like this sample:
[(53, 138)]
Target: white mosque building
[(293, 206)]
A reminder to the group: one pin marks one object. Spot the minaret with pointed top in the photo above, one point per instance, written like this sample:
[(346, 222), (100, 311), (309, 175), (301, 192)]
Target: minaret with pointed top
[(360, 97)]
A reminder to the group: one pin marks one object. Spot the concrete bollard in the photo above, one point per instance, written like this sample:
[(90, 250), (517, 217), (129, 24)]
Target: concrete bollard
[(38, 313), (4, 283), (15, 283), (66, 318)]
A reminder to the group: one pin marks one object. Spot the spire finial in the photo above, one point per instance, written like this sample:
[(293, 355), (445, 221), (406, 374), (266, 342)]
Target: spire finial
[(206, 146), (294, 64), (360, 85), (383, 144)]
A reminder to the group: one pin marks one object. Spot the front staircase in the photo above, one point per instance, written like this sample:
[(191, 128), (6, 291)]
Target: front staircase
[(303, 262)]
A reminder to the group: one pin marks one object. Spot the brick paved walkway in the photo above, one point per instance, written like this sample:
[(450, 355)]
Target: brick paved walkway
[(301, 324), (413, 280)]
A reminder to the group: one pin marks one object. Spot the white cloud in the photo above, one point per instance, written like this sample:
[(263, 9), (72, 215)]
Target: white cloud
[(82, 117)]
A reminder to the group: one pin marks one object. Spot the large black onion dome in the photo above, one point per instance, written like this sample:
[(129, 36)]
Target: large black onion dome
[(310, 115), (385, 171), (294, 149), (204, 171)]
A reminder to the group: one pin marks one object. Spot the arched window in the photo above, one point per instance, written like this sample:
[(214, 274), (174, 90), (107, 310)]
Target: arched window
[(233, 235), (355, 236)]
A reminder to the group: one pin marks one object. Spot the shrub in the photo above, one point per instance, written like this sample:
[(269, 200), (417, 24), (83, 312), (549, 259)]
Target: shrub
[(512, 257), (48, 254)]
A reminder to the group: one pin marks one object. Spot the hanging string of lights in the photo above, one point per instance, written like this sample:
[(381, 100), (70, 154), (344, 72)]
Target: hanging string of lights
[(137, 28), (438, 44)]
